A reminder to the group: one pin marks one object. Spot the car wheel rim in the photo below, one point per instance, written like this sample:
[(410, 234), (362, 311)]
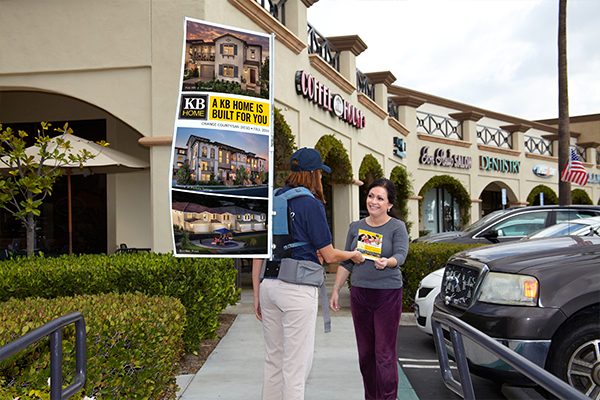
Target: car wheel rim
[(583, 370)]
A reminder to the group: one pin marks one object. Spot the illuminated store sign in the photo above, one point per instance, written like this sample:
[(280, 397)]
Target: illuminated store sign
[(499, 164), (544, 171), (444, 158), (315, 91), (400, 147)]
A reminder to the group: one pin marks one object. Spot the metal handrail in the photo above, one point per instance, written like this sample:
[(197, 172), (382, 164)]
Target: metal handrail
[(464, 388), (434, 124), (497, 136), (365, 85), (392, 108), (537, 145), (276, 9), (54, 330), (321, 46)]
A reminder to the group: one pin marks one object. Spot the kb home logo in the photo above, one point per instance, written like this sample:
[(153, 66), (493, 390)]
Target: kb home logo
[(193, 106)]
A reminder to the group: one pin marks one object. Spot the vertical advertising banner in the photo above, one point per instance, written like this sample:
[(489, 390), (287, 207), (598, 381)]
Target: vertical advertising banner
[(221, 157)]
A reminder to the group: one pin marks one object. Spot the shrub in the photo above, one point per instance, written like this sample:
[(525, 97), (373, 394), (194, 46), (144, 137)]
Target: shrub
[(204, 286), (580, 196), (132, 346)]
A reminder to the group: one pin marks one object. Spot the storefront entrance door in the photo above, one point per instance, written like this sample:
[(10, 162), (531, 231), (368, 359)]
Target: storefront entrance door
[(440, 211)]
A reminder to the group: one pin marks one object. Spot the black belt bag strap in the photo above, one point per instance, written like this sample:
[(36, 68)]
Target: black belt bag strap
[(270, 269)]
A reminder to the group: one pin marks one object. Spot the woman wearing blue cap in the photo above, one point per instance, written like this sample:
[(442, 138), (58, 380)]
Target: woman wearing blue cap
[(288, 311)]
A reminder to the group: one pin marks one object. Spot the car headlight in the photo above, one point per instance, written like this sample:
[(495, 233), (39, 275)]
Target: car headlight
[(520, 290)]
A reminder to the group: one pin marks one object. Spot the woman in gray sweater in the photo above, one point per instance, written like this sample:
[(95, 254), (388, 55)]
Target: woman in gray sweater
[(376, 295)]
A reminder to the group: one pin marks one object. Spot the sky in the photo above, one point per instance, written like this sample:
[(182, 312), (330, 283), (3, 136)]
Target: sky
[(499, 55)]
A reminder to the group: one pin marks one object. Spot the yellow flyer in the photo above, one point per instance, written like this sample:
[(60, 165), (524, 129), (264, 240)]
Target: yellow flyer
[(369, 244)]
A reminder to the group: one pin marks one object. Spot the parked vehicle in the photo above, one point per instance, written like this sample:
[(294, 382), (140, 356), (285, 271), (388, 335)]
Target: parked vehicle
[(581, 227), (512, 224), (429, 287), (539, 297)]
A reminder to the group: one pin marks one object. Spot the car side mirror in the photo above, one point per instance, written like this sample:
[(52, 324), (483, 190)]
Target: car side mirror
[(491, 235)]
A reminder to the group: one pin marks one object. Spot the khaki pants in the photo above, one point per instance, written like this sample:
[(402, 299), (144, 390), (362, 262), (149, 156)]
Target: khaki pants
[(289, 313)]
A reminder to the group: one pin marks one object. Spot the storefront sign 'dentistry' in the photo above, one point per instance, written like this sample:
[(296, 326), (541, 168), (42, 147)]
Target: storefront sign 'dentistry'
[(499, 164), (309, 87), (444, 158)]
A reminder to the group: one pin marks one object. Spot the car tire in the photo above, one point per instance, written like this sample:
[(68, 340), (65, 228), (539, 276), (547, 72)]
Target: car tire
[(576, 344)]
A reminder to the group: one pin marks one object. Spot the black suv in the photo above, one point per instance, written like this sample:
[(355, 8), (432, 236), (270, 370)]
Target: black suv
[(512, 224), (539, 297)]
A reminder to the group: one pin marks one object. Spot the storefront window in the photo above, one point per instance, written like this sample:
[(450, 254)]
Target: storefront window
[(440, 211)]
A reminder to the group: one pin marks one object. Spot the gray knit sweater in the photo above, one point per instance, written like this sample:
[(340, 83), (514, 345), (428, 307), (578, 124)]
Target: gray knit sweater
[(394, 244)]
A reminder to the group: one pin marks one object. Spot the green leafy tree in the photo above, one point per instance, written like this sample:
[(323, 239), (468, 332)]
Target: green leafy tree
[(30, 178), (213, 181), (265, 71), (580, 196), (184, 175), (241, 176), (550, 197)]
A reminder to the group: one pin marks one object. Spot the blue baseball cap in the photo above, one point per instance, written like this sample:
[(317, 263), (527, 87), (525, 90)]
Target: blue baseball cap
[(308, 160)]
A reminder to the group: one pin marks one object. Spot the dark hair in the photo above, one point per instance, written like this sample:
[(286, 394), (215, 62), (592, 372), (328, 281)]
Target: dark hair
[(390, 188)]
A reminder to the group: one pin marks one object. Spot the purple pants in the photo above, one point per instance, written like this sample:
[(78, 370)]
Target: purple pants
[(376, 314)]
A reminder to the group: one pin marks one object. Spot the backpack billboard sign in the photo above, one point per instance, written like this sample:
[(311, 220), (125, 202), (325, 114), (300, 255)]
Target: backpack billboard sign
[(221, 156)]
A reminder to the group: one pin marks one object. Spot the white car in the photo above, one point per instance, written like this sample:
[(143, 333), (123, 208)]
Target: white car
[(428, 289), (580, 227), (430, 286)]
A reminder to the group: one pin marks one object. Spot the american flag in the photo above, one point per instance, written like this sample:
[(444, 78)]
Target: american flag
[(574, 171)]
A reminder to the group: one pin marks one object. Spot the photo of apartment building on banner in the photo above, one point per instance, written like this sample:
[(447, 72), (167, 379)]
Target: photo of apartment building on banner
[(221, 150)]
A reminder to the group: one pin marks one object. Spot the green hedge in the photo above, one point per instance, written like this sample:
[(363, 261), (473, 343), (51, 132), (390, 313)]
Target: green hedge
[(133, 344), (204, 286), (421, 260)]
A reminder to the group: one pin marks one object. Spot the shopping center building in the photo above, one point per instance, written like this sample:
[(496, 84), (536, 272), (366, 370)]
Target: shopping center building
[(112, 70)]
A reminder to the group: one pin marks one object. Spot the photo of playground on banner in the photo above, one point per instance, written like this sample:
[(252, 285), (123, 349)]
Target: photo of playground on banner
[(208, 225)]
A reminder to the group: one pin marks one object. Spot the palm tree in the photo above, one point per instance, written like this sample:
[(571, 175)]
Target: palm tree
[(564, 188)]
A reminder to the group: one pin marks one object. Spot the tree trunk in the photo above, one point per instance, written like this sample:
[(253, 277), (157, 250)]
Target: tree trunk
[(564, 136), (30, 234)]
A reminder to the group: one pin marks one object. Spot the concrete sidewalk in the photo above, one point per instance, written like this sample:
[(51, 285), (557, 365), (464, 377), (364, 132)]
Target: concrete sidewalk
[(234, 370)]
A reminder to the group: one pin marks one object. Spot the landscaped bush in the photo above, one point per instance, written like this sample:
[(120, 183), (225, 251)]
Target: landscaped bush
[(204, 286), (421, 260), (132, 346)]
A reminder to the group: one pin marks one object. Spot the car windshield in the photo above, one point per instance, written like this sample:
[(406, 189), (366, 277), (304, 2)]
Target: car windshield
[(484, 220)]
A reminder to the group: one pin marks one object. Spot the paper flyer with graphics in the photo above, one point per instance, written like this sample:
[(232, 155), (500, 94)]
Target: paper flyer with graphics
[(221, 154), (369, 244)]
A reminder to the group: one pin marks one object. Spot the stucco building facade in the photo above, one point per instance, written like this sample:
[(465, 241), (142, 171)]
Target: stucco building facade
[(120, 62)]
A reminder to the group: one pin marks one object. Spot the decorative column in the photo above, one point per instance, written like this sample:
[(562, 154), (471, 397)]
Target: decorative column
[(160, 157), (383, 81), (476, 211), (590, 153), (349, 47), (413, 209), (469, 124), (518, 139), (407, 110)]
